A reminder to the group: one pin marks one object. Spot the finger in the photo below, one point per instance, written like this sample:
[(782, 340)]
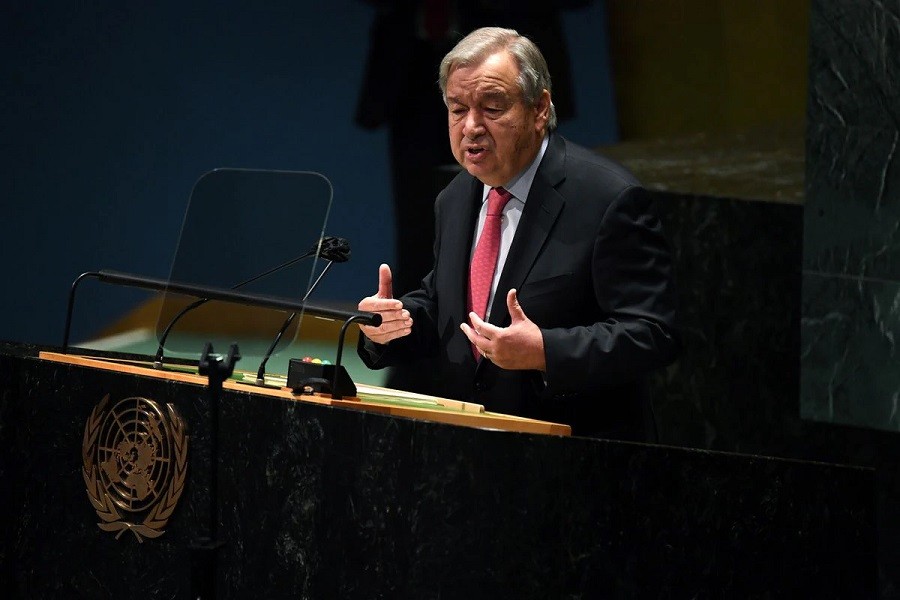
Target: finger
[(474, 339), (396, 316), (379, 337), (477, 322), (387, 328), (385, 282), (376, 304), (391, 322), (515, 309), (468, 332), (482, 327)]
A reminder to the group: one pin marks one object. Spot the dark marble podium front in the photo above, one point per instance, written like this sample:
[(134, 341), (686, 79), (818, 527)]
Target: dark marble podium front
[(323, 502)]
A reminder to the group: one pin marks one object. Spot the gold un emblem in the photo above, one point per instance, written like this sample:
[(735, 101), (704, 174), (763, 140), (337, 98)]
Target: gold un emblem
[(135, 460)]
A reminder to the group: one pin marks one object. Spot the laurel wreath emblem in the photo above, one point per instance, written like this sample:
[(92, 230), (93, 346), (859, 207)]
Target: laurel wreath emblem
[(111, 512)]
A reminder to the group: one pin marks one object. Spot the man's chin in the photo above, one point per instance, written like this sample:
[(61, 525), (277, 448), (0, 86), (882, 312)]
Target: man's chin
[(479, 172)]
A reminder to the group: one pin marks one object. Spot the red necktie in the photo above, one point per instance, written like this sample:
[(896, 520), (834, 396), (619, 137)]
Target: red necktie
[(484, 261)]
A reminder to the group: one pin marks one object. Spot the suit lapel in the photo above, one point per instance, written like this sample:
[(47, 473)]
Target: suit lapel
[(542, 208)]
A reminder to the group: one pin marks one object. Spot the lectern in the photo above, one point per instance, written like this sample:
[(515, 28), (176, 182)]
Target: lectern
[(326, 499)]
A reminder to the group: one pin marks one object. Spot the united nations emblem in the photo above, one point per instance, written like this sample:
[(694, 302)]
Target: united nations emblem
[(135, 461)]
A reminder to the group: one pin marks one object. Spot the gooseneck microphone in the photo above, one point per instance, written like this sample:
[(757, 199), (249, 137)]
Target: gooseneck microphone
[(332, 249), (316, 249)]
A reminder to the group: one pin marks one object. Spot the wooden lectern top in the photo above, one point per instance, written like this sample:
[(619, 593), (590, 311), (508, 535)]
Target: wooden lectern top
[(370, 398)]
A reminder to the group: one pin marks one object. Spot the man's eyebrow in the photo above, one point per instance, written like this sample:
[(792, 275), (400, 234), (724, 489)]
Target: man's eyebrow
[(501, 96)]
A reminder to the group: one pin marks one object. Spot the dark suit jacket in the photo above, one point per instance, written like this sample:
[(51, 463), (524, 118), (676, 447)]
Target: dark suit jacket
[(592, 270)]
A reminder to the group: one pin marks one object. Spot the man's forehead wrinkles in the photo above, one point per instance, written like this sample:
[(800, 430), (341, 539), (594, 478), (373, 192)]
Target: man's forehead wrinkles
[(496, 86)]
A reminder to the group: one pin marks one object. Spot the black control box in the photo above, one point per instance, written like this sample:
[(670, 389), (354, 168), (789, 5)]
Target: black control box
[(305, 377)]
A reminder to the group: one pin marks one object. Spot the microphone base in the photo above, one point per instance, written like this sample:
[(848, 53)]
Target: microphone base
[(306, 377)]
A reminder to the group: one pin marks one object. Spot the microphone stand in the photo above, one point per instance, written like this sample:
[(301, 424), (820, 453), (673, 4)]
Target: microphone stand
[(158, 359), (204, 552), (261, 373)]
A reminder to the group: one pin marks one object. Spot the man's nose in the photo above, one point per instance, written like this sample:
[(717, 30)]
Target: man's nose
[(474, 124)]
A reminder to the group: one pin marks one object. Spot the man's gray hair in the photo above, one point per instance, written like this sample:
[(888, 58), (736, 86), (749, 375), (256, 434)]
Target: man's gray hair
[(534, 77)]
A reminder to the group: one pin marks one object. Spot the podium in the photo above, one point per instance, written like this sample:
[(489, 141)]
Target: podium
[(327, 499)]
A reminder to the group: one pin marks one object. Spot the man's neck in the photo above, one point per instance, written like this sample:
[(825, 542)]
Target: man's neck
[(520, 185)]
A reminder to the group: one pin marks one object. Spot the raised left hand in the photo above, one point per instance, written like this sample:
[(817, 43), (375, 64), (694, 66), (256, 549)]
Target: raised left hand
[(517, 347)]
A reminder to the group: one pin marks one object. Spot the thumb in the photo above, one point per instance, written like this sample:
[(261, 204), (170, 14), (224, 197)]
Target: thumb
[(385, 282), (516, 313)]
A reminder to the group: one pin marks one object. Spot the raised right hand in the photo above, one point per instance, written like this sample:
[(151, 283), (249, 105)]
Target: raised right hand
[(395, 320)]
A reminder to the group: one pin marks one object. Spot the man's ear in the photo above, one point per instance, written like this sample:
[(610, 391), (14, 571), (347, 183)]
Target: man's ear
[(542, 109)]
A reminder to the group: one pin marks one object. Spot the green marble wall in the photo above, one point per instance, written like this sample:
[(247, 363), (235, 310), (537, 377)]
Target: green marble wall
[(850, 322)]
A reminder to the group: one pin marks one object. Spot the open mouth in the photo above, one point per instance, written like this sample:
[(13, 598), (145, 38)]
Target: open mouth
[(474, 151)]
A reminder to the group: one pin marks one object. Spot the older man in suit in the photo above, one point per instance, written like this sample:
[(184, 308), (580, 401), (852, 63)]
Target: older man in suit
[(551, 295)]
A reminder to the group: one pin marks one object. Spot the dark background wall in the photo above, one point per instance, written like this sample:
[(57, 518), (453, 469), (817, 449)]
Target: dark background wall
[(110, 111)]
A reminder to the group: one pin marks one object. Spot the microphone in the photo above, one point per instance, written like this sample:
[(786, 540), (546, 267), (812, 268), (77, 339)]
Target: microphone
[(333, 244), (332, 249)]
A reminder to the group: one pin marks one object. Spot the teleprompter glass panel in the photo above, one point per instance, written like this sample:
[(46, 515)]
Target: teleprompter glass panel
[(249, 231)]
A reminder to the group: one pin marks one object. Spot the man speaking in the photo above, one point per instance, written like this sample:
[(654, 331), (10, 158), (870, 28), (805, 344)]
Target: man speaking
[(551, 295)]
